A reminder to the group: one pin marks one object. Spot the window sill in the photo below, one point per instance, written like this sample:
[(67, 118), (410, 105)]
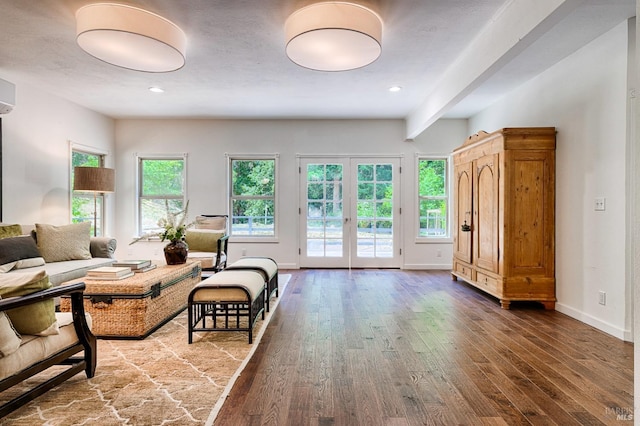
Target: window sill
[(250, 239)]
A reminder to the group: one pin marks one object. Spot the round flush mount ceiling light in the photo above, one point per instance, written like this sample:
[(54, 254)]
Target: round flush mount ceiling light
[(333, 36), (130, 37)]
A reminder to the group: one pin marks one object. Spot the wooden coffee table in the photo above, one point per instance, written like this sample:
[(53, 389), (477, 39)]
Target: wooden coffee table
[(134, 307)]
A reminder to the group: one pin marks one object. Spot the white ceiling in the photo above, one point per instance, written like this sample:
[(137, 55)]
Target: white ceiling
[(236, 66)]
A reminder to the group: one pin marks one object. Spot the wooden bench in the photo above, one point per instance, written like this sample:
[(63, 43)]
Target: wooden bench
[(227, 301), (266, 266)]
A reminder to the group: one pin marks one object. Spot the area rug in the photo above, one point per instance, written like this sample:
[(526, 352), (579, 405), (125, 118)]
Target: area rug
[(159, 380)]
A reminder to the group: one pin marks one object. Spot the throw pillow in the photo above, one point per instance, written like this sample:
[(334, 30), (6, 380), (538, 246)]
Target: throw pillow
[(9, 338), (203, 239), (67, 242), (29, 263), (13, 249), (7, 231), (218, 223), (38, 318)]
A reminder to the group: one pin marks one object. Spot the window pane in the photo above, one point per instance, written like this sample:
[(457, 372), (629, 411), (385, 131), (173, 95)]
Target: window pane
[(161, 181), (253, 177), (384, 173), (433, 198), (365, 172), (433, 218), (253, 196), (431, 178), (315, 191), (152, 210), (162, 177), (384, 191), (334, 172), (252, 217), (315, 172)]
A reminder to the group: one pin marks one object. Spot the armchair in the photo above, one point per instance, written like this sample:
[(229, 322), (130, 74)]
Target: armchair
[(208, 242)]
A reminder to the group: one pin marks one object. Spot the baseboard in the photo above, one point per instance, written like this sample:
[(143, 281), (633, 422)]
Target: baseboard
[(427, 266), (604, 326)]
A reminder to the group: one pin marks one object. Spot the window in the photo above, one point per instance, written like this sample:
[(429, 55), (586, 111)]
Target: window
[(433, 197), (82, 207), (161, 181), (252, 200)]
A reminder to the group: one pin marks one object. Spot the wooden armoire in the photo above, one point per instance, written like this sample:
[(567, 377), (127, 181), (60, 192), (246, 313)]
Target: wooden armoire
[(504, 214)]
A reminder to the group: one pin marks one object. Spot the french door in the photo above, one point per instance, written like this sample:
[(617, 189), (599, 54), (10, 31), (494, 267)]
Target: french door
[(349, 212)]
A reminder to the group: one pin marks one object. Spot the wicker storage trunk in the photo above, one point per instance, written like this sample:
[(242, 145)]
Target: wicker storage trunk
[(134, 307)]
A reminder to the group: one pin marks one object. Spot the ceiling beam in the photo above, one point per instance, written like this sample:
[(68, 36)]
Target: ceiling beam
[(516, 26)]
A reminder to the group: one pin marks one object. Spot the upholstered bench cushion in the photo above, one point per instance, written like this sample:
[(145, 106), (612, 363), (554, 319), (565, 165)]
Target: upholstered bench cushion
[(223, 287), (264, 263)]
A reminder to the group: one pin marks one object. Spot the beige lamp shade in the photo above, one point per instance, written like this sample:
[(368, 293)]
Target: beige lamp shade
[(94, 179), (130, 37), (333, 36)]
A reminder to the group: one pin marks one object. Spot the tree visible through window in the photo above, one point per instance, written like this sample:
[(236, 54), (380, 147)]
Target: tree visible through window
[(433, 198), (82, 203), (161, 181), (253, 197)]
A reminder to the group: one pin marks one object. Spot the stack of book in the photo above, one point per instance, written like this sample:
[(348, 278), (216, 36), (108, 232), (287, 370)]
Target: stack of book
[(136, 265), (109, 273)]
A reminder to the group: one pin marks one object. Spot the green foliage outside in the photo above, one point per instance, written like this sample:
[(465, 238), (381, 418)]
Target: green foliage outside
[(432, 187), (375, 196), (162, 189), (253, 196)]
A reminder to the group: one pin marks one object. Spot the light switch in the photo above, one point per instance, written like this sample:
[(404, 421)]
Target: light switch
[(600, 204)]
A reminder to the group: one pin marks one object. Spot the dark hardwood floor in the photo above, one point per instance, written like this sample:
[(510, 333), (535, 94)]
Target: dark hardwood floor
[(391, 347)]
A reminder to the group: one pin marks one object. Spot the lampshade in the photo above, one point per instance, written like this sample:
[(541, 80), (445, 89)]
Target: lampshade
[(130, 37), (333, 36), (94, 179)]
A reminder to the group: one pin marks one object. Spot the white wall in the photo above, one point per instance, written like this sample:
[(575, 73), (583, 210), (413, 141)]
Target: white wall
[(207, 141), (36, 155), (584, 97)]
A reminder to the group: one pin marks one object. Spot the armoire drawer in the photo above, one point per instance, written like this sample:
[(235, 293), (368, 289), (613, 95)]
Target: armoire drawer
[(463, 270), (487, 283)]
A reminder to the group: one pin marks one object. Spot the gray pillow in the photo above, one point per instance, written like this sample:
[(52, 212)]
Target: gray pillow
[(14, 249)]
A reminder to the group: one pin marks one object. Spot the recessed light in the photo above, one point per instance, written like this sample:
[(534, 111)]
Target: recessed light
[(156, 89), (395, 88)]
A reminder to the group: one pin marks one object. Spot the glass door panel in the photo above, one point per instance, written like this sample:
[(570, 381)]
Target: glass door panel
[(375, 240), (323, 223)]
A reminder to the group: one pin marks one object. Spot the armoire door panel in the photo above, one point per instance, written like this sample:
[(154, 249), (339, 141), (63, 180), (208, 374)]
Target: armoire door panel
[(463, 205), (486, 213), (529, 228)]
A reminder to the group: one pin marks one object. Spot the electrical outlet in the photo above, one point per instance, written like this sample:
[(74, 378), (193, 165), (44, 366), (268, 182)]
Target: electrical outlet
[(599, 204), (439, 253), (602, 297), (244, 252)]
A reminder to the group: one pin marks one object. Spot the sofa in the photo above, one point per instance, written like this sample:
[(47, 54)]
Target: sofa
[(64, 252)]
